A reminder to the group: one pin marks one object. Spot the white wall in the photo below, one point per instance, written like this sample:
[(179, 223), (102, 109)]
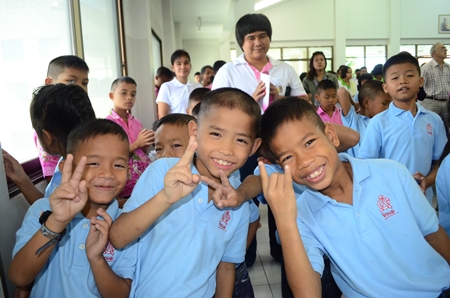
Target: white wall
[(202, 54)]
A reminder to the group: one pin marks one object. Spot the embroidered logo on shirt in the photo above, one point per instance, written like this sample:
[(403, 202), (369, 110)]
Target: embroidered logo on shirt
[(429, 129), (224, 220), (108, 253), (385, 206)]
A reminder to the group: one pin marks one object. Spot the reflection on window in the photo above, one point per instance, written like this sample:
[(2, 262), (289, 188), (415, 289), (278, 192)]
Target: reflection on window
[(101, 51), (368, 56), (26, 48)]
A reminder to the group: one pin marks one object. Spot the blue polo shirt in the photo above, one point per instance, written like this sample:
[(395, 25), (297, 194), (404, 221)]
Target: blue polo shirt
[(412, 141), (55, 181), (356, 122), (443, 193), (275, 168), (180, 252), (376, 246), (67, 272)]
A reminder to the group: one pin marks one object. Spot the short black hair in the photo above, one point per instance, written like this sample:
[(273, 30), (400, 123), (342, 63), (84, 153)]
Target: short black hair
[(58, 109), (195, 110), (217, 65), (178, 54), (231, 98), (251, 23), (400, 58), (164, 72), (197, 73), (198, 93), (377, 70), (173, 119), (370, 90), (364, 76), (59, 64), (117, 81), (343, 71), (285, 110), (325, 85), (204, 68), (94, 128)]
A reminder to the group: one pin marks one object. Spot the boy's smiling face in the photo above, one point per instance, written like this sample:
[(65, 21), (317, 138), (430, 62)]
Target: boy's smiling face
[(402, 82), (106, 171), (310, 153), (225, 140), (256, 45)]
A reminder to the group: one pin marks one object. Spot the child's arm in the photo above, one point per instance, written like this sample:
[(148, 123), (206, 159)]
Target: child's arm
[(345, 100), (109, 284), (347, 137), (279, 193), (427, 181), (16, 173), (178, 183), (145, 138), (67, 200), (163, 109), (225, 277), (440, 241)]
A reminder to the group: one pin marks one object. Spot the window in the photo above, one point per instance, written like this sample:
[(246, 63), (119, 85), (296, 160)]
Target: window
[(421, 52), (101, 51), (297, 57), (368, 56), (157, 52), (26, 48)]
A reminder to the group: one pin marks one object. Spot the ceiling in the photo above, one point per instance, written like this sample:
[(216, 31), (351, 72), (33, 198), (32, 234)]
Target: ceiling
[(217, 18)]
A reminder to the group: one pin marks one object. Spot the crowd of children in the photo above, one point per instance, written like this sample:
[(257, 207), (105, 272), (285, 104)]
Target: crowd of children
[(358, 222)]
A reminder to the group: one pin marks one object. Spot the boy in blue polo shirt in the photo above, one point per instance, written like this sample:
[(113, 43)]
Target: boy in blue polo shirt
[(368, 216), (406, 132), (185, 241), (63, 243), (372, 101)]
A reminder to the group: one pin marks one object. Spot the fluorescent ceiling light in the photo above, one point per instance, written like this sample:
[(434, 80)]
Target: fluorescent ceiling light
[(264, 3)]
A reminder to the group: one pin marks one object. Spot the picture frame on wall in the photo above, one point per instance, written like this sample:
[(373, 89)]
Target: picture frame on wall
[(444, 24)]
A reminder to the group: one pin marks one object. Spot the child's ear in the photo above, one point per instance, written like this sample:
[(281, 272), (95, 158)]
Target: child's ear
[(316, 96), (366, 102), (421, 80), (48, 81), (330, 132), (193, 128), (256, 144), (111, 95), (385, 88)]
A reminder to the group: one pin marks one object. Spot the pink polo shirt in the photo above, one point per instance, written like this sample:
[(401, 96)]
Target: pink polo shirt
[(48, 162), (335, 118), (139, 160)]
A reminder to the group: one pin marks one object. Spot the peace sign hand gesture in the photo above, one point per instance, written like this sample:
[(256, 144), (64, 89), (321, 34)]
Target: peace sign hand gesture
[(71, 196), (224, 195), (179, 180)]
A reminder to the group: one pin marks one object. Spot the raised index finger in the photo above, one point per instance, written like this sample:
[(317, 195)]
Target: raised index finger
[(79, 170), (67, 169), (188, 155), (263, 174)]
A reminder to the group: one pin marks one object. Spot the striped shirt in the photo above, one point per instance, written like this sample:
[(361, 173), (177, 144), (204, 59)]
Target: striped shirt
[(436, 80)]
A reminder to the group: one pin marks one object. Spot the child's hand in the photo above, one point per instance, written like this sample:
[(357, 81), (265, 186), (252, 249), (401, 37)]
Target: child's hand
[(145, 138), (224, 195), (98, 235), (260, 91), (13, 169), (421, 179), (179, 180), (71, 196), (274, 92), (279, 193), (264, 160)]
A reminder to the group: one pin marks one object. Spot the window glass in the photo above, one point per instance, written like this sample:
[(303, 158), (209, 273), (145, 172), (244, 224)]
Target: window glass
[(408, 48), (423, 50), (328, 51), (295, 53), (31, 34), (299, 66), (375, 55), (275, 53), (101, 51)]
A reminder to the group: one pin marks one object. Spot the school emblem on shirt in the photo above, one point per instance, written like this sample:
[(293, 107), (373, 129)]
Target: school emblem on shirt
[(108, 253), (386, 209), (429, 129), (224, 220)]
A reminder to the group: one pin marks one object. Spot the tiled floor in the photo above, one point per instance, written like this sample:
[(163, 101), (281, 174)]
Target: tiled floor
[(265, 274)]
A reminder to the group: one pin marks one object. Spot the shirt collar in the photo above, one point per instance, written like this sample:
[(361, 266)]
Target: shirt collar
[(361, 171), (241, 60), (397, 111), (116, 116), (178, 83)]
